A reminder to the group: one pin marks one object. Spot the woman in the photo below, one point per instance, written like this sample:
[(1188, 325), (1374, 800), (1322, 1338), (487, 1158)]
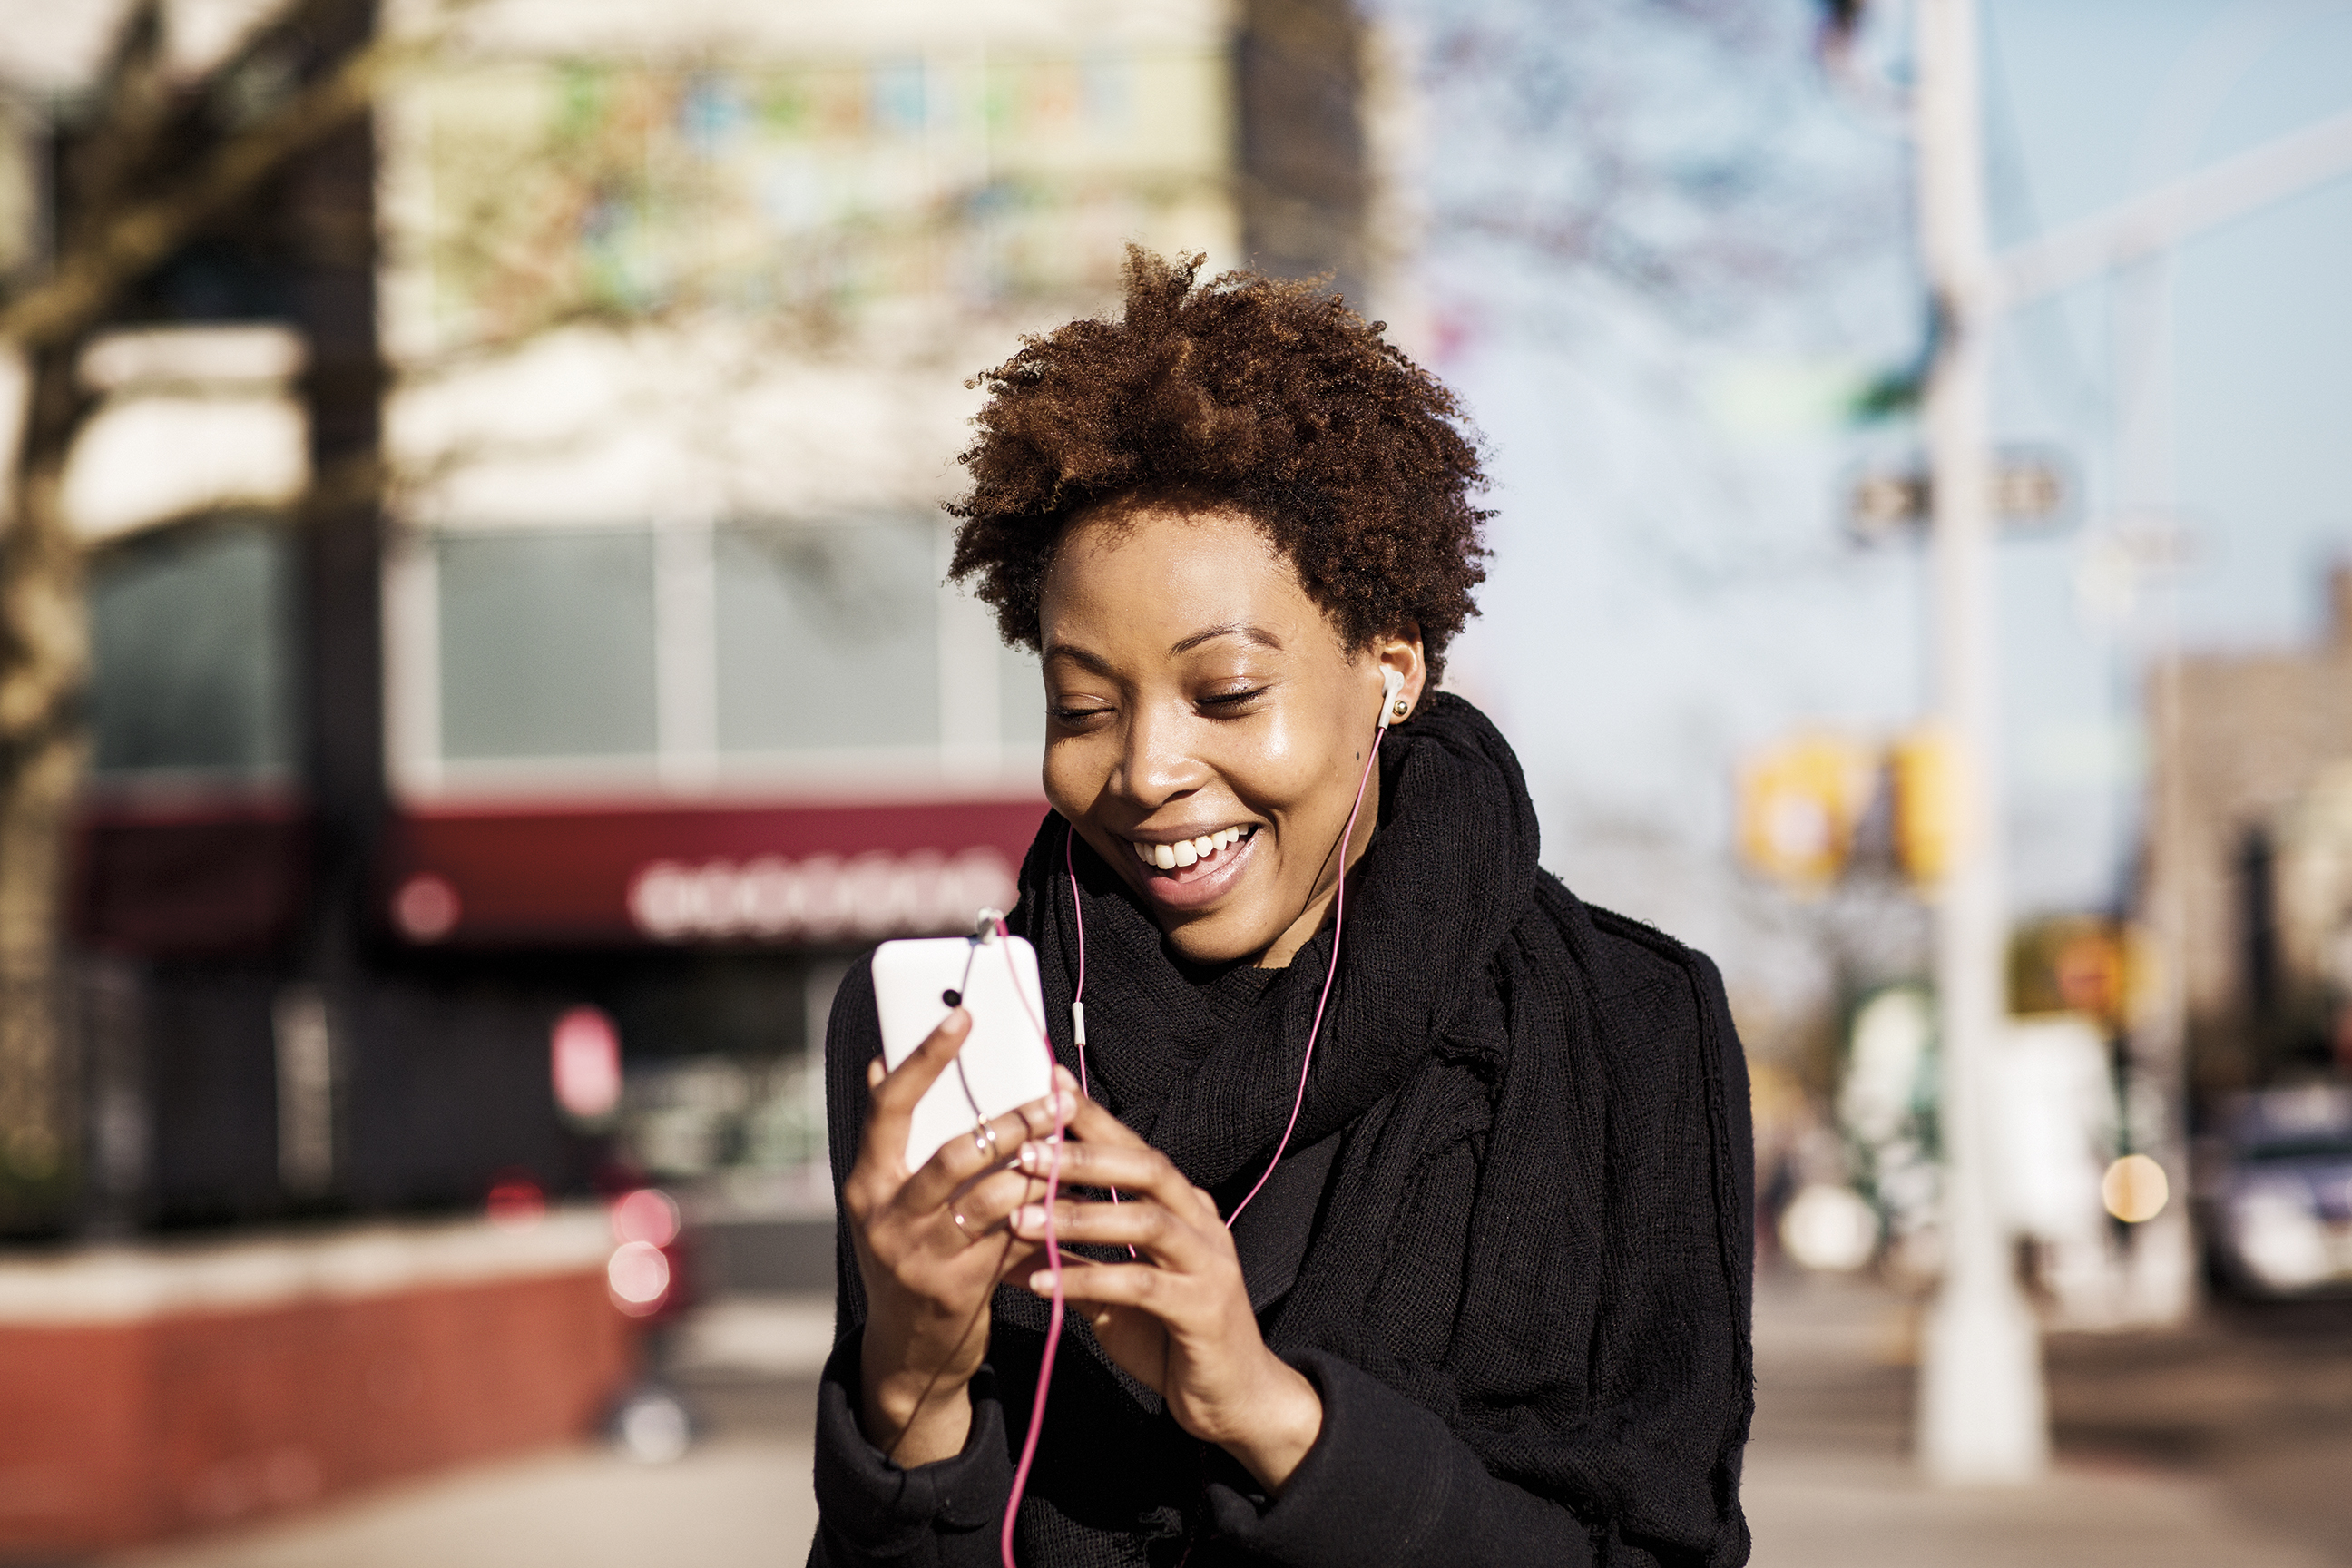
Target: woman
[(1485, 1299)]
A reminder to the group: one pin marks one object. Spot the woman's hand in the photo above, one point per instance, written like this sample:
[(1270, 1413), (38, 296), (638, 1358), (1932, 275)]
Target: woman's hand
[(931, 1245), (1178, 1319)]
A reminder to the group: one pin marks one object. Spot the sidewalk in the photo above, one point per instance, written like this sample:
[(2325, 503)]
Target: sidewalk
[(734, 1503), (1830, 1482), (740, 1498)]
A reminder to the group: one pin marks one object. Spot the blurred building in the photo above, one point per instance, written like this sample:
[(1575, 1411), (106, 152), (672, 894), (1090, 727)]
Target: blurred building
[(539, 604), (2251, 852), (524, 674)]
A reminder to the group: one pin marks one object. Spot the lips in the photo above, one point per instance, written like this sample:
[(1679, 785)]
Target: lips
[(1202, 880)]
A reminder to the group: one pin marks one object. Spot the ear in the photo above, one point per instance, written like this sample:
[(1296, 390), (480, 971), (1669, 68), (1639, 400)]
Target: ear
[(1397, 662)]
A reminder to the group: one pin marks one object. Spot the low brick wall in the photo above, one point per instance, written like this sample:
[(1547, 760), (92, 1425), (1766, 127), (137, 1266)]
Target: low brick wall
[(150, 1392)]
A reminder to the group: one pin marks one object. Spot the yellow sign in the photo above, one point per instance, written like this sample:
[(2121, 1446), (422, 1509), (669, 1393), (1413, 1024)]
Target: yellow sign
[(1930, 805), (1799, 804)]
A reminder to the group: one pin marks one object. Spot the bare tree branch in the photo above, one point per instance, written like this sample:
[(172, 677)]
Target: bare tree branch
[(124, 246)]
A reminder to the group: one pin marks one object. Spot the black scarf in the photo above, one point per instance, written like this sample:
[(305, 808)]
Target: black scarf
[(1517, 1192)]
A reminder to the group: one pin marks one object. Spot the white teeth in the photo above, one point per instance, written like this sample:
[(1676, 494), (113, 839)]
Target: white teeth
[(1188, 851)]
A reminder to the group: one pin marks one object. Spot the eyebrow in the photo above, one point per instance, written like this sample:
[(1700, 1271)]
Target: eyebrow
[(1080, 657), (1101, 666), (1257, 635)]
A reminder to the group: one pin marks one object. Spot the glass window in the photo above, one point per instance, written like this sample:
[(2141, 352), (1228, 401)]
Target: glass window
[(191, 652), (546, 644), (827, 637)]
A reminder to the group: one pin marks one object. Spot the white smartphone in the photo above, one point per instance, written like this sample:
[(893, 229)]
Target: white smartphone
[(1005, 1063)]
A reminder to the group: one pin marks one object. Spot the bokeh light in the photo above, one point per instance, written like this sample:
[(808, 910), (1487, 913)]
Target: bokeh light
[(2135, 1189), (638, 1276), (1829, 1228), (647, 1214), (516, 1202)]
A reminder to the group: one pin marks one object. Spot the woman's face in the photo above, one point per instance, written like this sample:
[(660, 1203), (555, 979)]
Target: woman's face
[(1206, 726)]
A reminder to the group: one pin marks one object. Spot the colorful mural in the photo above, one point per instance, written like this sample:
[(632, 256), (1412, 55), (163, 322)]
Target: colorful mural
[(562, 191)]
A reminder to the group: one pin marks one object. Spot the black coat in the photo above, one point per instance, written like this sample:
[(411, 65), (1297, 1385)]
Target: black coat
[(1510, 1242)]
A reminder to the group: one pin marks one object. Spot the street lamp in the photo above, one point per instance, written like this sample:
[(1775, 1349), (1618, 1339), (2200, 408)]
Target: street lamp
[(1982, 1415)]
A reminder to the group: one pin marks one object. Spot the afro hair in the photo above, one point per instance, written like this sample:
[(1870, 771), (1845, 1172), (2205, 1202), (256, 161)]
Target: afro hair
[(1269, 396)]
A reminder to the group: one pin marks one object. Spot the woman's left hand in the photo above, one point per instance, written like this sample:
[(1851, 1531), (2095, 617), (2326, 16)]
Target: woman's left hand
[(1179, 1318)]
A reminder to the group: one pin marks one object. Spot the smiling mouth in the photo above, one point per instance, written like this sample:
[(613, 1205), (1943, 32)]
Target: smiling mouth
[(1186, 853)]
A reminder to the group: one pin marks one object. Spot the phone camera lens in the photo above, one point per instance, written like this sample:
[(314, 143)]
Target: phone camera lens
[(953, 998)]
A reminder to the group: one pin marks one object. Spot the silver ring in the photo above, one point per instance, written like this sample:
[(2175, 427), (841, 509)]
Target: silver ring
[(984, 1140), (957, 1216)]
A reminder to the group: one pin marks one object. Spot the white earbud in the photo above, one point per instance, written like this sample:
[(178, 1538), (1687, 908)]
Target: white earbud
[(1392, 704)]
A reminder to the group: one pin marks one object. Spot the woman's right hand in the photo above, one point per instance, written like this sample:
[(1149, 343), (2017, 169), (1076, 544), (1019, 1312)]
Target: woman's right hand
[(932, 1246)]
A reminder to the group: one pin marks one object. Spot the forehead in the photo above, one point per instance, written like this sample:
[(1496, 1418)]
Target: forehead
[(1154, 577)]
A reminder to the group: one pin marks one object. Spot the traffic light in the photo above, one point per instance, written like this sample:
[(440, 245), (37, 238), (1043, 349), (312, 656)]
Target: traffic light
[(1799, 801), (1930, 812)]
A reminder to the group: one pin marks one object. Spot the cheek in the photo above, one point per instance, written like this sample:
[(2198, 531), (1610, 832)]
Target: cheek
[(1285, 768), (1073, 777), (1079, 770)]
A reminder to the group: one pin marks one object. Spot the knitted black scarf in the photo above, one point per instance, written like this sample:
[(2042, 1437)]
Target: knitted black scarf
[(1517, 1193)]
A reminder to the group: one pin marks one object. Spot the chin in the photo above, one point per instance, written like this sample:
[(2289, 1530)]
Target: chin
[(1222, 936)]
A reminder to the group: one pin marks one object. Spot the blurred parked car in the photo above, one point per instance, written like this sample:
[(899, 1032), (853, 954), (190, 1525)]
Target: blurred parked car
[(2279, 1201)]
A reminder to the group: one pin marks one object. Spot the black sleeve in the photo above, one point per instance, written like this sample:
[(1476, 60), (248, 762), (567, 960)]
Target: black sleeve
[(869, 1512), (852, 1038), (1388, 1483), (944, 1515)]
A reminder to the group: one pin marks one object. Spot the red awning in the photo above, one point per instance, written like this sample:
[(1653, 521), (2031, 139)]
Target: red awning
[(777, 874), (206, 879)]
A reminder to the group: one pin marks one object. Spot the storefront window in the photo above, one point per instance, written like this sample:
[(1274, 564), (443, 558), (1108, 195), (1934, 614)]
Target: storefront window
[(690, 652), (546, 644), (191, 642), (828, 637)]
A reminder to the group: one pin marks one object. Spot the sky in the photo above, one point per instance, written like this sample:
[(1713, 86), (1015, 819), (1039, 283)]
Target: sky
[(1673, 581)]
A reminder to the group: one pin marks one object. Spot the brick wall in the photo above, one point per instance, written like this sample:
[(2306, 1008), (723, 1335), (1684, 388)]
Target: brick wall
[(151, 1393)]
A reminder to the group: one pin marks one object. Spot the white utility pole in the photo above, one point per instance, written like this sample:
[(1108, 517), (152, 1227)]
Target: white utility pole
[(1982, 1416)]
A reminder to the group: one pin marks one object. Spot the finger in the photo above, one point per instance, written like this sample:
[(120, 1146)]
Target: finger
[(1134, 1284), (1096, 1124), (1016, 1259), (958, 1159), (1138, 1171), (990, 1198), (1167, 1237), (891, 1101)]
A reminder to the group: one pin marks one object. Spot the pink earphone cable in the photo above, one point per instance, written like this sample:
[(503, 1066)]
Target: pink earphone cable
[(1053, 1265), (1078, 997), (1339, 919), (1052, 1176)]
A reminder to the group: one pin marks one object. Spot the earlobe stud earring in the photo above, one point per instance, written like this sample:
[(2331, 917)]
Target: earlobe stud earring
[(1401, 709)]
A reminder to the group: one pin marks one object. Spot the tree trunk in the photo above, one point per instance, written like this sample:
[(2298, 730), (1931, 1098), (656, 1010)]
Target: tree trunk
[(44, 663)]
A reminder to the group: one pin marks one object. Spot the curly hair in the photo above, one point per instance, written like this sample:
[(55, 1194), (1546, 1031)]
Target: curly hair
[(1266, 395)]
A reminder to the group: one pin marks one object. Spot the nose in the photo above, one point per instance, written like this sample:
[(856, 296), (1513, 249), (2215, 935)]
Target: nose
[(1159, 764)]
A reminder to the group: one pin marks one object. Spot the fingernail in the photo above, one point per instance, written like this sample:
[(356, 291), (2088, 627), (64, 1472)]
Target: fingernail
[(1029, 1216), (1062, 1077), (1031, 1156), (1042, 1282), (1068, 1104)]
